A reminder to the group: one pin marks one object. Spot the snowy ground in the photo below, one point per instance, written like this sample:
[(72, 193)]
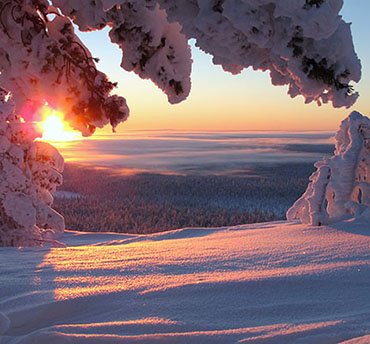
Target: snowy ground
[(267, 283)]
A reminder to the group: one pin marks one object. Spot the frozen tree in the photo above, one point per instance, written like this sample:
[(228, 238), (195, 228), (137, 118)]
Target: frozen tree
[(340, 188), (29, 174), (304, 44)]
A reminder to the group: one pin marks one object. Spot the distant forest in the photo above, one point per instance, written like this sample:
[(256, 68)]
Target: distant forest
[(147, 203)]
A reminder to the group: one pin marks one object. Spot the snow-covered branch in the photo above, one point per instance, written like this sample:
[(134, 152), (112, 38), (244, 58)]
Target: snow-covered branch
[(304, 44), (43, 61)]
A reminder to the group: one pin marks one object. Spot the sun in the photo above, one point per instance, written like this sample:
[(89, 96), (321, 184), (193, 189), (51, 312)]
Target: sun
[(54, 128)]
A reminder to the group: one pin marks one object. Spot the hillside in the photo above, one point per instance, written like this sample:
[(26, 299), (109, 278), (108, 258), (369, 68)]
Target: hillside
[(274, 282)]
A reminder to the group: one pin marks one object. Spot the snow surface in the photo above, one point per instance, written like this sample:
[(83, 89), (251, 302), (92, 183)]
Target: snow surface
[(278, 282)]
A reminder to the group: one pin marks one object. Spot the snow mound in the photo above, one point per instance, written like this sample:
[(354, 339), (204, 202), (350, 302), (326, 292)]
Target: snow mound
[(340, 188)]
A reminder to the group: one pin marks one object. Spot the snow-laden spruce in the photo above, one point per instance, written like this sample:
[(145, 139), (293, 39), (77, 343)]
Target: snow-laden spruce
[(29, 174), (340, 188)]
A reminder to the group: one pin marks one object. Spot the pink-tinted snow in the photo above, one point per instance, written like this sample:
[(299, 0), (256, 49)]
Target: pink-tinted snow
[(275, 282)]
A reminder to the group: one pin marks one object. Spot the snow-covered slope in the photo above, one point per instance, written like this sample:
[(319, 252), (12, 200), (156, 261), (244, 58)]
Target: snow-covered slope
[(272, 283)]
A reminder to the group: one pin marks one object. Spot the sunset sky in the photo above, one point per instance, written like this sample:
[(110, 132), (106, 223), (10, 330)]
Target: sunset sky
[(221, 101)]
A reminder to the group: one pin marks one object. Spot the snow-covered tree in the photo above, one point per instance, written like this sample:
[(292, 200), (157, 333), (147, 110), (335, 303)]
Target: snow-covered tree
[(340, 188), (304, 44), (29, 174)]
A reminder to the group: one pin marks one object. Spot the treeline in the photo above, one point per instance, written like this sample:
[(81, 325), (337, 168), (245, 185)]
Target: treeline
[(146, 203)]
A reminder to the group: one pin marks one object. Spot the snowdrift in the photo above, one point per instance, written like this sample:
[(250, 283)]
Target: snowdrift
[(278, 282)]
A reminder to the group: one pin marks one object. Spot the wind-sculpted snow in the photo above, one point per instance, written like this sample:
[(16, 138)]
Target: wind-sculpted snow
[(279, 282), (340, 188)]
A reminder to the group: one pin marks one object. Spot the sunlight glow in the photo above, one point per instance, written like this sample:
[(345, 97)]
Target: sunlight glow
[(54, 128)]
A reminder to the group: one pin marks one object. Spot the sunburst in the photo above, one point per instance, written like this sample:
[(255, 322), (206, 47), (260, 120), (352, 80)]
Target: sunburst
[(54, 128)]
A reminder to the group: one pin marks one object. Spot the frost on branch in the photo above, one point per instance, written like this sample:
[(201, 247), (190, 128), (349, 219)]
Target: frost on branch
[(340, 188), (152, 47), (304, 44), (29, 174), (307, 47), (42, 60)]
